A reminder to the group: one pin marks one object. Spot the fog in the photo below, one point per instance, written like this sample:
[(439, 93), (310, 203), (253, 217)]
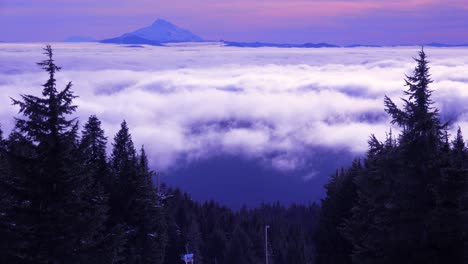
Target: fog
[(190, 102)]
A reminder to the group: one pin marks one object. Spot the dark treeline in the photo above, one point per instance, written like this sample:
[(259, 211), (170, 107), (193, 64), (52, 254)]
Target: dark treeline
[(63, 199), (407, 200), (216, 234)]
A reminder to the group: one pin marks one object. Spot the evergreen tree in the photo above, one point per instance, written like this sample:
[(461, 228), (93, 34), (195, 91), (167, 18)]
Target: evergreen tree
[(175, 243), (8, 239), (239, 249), (193, 238), (421, 151), (215, 246), (459, 153), (59, 210), (151, 229), (93, 151), (93, 148), (134, 202), (332, 246), (408, 208), (123, 165), (449, 218), (368, 226)]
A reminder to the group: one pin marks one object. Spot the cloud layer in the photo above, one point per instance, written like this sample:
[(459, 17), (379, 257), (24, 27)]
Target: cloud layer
[(192, 102)]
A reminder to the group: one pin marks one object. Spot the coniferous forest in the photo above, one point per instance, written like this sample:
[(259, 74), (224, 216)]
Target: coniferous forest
[(65, 199)]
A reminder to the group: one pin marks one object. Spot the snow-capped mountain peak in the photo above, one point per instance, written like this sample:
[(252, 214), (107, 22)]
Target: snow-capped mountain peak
[(161, 31)]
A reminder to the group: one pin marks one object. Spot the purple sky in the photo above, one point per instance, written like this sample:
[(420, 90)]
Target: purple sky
[(294, 21)]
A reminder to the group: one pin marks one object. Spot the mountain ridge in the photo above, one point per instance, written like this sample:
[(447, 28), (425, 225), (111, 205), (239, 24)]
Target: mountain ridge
[(159, 32)]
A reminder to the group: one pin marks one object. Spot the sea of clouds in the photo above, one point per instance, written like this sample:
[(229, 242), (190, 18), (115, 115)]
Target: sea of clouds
[(188, 102)]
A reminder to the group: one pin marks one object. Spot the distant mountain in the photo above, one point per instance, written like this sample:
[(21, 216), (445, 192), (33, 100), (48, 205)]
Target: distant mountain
[(432, 44), (317, 45), (363, 46), (79, 39), (161, 31), (274, 45), (131, 39), (442, 45), (327, 45)]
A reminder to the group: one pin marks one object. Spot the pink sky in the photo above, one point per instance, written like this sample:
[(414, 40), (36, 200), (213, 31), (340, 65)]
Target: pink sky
[(340, 22)]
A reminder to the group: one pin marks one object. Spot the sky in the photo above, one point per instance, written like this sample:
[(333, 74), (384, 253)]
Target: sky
[(339, 22)]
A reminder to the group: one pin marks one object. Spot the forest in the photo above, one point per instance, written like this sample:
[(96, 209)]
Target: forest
[(65, 199)]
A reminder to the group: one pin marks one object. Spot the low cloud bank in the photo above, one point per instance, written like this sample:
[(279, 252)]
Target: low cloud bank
[(188, 103)]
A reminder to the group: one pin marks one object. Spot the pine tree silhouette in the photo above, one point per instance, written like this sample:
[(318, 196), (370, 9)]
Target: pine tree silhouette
[(59, 212)]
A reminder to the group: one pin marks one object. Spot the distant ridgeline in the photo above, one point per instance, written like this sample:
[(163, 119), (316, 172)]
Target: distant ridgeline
[(263, 44), (323, 45), (163, 31), (63, 199)]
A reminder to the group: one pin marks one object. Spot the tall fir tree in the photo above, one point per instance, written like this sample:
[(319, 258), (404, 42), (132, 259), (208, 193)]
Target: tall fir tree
[(459, 152), (93, 148), (123, 158), (59, 210), (134, 202), (123, 165), (93, 152), (151, 229), (408, 208), (421, 150)]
